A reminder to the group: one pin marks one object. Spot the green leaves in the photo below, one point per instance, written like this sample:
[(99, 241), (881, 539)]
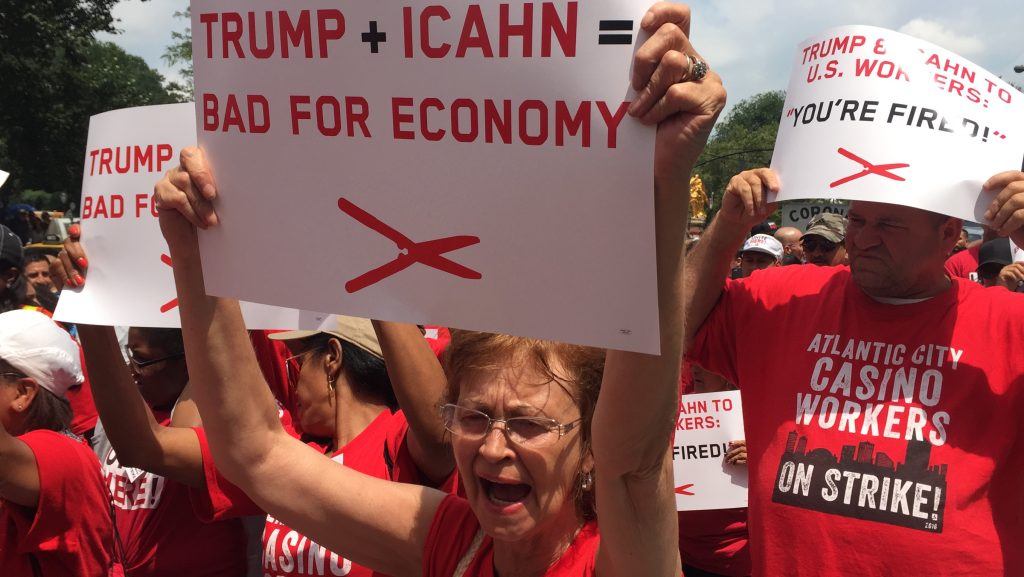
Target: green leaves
[(743, 140)]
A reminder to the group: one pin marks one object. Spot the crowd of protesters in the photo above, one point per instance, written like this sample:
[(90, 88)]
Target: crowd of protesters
[(383, 448)]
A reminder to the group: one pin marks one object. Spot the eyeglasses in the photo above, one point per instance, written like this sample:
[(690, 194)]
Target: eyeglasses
[(14, 376), (526, 431), (138, 364), (813, 245), (293, 366)]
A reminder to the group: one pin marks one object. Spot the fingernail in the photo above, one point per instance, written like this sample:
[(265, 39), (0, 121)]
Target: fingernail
[(82, 262), (648, 18), (79, 280), (71, 282), (74, 231)]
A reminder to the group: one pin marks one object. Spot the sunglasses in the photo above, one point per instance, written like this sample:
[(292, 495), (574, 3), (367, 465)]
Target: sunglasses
[(814, 245), (138, 364)]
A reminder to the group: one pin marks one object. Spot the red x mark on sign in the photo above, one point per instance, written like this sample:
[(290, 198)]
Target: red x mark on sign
[(878, 169), (173, 302), (427, 252), (685, 489)]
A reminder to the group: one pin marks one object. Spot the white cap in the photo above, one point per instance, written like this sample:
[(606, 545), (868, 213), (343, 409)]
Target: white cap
[(764, 243), (33, 344)]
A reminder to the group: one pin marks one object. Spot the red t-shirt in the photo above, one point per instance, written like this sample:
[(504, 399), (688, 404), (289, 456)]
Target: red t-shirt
[(69, 533), (83, 408), (438, 338), (964, 264), (455, 526), (881, 439), (271, 355), (287, 553), (161, 535), (715, 541)]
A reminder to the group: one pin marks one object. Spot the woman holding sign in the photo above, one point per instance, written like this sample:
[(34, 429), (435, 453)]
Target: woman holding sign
[(545, 461), (343, 405)]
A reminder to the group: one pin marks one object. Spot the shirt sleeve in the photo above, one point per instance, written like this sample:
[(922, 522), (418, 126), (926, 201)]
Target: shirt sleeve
[(271, 355), (714, 346), (219, 499), (451, 534), (66, 495), (401, 466)]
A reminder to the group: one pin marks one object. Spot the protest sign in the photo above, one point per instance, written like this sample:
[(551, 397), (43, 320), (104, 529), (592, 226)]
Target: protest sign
[(797, 213), (876, 115), (130, 280), (707, 423), (365, 140), (3, 177)]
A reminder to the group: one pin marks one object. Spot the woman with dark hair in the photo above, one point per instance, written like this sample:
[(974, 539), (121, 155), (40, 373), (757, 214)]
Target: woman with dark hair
[(527, 435), (54, 516)]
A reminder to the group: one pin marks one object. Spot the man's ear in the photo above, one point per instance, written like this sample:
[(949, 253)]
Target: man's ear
[(9, 276), (951, 229)]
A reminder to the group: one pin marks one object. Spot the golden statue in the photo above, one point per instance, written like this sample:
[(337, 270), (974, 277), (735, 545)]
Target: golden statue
[(698, 199)]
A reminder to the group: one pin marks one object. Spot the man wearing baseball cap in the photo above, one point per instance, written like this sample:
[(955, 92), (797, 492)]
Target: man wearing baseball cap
[(996, 266), (759, 252), (54, 514), (823, 240)]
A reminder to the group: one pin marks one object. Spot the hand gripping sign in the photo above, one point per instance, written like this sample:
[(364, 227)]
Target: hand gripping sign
[(707, 423), (876, 115), (504, 123), (130, 280)]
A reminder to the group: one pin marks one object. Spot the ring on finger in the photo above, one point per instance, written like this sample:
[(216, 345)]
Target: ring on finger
[(698, 69)]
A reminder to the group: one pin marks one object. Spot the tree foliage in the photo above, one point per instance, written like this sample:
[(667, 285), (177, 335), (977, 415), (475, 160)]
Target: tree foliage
[(55, 76), (179, 53), (743, 140)]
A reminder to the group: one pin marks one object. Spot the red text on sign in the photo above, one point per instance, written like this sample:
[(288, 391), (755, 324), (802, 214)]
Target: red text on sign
[(96, 206), (129, 159), (262, 35), (328, 112), (428, 30), (225, 114), (530, 122)]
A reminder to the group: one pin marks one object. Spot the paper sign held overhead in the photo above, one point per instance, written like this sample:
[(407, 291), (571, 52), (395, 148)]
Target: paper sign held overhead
[(707, 423), (130, 280), (467, 165), (876, 115), (3, 177)]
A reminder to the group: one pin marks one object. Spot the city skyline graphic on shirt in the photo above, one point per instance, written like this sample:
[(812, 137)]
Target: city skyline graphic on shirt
[(864, 484)]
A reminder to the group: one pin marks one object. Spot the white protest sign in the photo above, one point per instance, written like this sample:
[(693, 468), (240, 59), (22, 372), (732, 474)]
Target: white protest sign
[(130, 280), (876, 115), (3, 177), (367, 139), (707, 423), (797, 213)]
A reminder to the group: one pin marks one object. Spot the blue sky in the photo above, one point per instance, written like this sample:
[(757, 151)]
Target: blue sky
[(750, 43)]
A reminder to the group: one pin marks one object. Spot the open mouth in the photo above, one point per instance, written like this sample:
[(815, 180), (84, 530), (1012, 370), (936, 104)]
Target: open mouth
[(505, 494)]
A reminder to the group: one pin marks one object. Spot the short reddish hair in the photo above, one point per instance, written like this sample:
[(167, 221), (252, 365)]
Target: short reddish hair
[(472, 354)]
